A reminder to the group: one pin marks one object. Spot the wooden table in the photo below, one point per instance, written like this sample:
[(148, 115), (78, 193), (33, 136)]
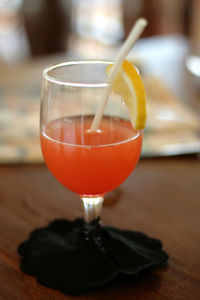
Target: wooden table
[(160, 198)]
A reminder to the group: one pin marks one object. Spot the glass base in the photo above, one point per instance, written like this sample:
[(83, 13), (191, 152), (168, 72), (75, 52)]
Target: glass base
[(60, 257)]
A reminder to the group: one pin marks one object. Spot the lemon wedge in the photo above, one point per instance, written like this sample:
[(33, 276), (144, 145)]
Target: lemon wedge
[(129, 85)]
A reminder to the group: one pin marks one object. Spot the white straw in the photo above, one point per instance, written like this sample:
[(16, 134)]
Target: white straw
[(132, 38)]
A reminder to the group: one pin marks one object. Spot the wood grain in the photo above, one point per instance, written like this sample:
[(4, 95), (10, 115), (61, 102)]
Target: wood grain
[(160, 198)]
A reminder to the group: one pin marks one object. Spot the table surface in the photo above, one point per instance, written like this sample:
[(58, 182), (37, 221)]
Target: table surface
[(160, 198)]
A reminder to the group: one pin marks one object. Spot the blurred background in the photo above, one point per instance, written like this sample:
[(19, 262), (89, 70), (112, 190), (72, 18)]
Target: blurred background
[(37, 33)]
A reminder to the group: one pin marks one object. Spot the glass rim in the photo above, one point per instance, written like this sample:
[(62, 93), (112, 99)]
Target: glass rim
[(53, 79)]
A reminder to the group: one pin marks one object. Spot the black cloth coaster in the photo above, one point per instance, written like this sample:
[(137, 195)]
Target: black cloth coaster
[(60, 256)]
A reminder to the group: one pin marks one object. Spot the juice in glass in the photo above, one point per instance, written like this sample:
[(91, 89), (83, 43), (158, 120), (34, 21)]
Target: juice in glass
[(90, 163)]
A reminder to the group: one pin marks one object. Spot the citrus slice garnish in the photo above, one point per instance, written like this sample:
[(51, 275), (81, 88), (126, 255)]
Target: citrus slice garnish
[(129, 85)]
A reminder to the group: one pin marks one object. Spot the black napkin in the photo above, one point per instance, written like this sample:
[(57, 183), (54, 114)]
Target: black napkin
[(60, 256)]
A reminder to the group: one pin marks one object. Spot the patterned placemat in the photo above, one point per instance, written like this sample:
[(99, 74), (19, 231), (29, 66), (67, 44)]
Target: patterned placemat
[(172, 127)]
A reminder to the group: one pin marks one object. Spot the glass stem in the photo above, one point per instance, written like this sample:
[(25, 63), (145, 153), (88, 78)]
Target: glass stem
[(92, 208)]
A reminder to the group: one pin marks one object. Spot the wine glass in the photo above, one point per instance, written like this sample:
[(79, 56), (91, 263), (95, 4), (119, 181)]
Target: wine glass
[(89, 163)]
